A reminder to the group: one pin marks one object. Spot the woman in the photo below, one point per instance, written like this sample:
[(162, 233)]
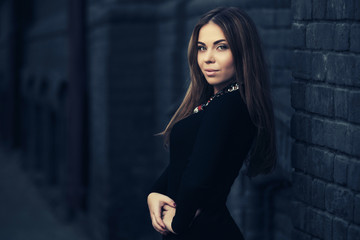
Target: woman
[(225, 120)]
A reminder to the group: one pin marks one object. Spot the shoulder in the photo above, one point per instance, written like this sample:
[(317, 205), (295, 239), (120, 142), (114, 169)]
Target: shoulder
[(228, 112), (228, 109), (229, 104)]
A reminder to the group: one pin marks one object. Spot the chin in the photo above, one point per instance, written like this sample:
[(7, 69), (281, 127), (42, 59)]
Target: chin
[(214, 82)]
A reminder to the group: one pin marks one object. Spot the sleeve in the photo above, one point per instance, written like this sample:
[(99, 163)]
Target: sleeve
[(160, 185), (222, 122)]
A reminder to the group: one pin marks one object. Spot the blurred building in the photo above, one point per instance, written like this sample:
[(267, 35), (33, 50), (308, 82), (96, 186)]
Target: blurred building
[(84, 86)]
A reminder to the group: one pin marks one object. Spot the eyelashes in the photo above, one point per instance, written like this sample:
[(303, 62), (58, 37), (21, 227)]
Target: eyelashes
[(201, 48), (221, 47)]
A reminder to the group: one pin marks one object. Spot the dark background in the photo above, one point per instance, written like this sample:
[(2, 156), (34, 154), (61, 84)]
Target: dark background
[(84, 85)]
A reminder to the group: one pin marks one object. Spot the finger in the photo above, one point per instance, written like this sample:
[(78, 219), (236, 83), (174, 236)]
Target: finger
[(166, 207), (156, 212), (156, 226), (168, 201), (158, 219)]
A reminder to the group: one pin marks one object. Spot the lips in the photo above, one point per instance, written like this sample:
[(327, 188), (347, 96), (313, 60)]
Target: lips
[(211, 72)]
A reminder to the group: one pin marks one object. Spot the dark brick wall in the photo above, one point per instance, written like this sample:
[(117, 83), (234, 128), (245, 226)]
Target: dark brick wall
[(325, 125)]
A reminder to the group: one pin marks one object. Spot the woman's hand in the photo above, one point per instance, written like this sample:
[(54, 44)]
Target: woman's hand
[(168, 215), (156, 203)]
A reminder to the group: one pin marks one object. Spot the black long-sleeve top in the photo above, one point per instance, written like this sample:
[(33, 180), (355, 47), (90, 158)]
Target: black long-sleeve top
[(207, 150)]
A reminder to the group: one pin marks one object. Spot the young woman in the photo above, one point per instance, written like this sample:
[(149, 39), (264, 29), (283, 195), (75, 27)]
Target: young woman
[(225, 120)]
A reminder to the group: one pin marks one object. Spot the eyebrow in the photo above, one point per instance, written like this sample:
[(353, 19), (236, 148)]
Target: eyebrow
[(216, 42)]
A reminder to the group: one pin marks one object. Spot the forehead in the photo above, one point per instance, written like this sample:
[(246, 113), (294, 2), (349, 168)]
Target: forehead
[(210, 33)]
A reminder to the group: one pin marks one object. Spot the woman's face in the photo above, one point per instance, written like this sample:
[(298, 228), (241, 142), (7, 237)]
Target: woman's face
[(214, 56)]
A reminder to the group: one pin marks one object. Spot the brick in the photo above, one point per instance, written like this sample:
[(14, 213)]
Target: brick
[(320, 99), (298, 94), (301, 9), (317, 127), (340, 9), (302, 64), (318, 194), (320, 35), (321, 163), (299, 215), (353, 232), (353, 180), (356, 79), (354, 140), (341, 37), (329, 133), (354, 106), (339, 229), (298, 35), (357, 209), (336, 136), (355, 38), (339, 201), (301, 187), (299, 156), (298, 235), (341, 69), (320, 224), (340, 169), (341, 103), (318, 66), (356, 10), (319, 9), (301, 127)]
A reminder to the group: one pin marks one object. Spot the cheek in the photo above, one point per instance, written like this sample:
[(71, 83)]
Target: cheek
[(228, 66), (199, 60), (228, 63)]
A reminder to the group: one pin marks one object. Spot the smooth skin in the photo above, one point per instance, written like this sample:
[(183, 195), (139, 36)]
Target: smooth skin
[(168, 215), (215, 58), (162, 211), (216, 62), (157, 203)]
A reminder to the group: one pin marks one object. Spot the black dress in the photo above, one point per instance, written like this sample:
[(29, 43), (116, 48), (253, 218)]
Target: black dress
[(207, 150)]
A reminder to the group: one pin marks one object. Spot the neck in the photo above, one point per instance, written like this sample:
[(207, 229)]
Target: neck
[(223, 85)]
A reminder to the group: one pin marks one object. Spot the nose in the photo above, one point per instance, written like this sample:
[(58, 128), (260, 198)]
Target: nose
[(209, 57)]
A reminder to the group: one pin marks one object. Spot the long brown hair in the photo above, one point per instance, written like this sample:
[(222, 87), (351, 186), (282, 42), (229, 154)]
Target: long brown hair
[(252, 76)]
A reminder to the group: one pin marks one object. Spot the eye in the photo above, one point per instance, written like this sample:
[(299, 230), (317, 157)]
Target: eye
[(222, 47), (201, 48)]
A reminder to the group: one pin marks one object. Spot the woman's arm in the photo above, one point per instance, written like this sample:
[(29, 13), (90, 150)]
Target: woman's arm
[(225, 120), (160, 185)]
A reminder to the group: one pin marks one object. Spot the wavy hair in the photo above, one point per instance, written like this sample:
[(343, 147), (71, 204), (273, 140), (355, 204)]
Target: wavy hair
[(252, 76)]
